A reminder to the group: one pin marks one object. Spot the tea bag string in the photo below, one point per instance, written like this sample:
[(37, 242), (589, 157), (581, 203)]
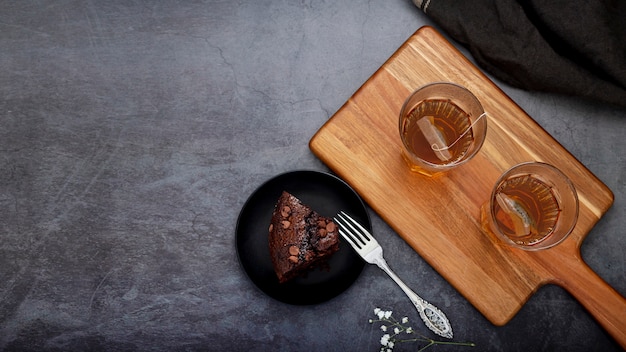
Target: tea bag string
[(437, 149)]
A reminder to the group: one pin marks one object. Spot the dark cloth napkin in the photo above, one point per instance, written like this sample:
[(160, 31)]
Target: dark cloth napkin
[(572, 47)]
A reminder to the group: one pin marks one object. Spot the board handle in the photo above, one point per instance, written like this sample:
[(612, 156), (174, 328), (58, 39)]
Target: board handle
[(602, 301)]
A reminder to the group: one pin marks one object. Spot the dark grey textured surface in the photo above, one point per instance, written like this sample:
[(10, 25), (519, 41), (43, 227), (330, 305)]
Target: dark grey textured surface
[(132, 133)]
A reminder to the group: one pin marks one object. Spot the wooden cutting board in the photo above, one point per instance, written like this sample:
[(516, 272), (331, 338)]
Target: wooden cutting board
[(439, 217)]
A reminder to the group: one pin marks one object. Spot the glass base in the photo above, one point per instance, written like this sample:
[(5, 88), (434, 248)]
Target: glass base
[(421, 170)]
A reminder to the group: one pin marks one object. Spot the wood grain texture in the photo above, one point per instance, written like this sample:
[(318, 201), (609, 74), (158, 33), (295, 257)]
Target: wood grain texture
[(439, 217)]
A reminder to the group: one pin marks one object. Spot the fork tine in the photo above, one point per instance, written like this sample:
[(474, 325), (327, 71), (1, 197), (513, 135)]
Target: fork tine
[(345, 232), (354, 233), (363, 232)]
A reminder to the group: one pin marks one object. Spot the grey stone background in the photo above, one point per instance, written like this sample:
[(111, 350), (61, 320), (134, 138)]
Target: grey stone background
[(132, 132)]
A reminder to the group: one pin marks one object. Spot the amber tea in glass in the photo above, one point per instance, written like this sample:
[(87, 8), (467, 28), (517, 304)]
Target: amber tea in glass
[(436, 122), (533, 206), (442, 125)]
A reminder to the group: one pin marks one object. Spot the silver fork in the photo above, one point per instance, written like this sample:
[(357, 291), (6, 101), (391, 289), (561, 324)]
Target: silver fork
[(367, 247)]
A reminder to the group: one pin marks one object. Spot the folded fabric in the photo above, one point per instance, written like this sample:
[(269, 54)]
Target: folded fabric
[(572, 47)]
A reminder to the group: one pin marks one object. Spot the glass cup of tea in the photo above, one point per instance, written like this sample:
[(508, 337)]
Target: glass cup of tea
[(533, 206), (442, 125)]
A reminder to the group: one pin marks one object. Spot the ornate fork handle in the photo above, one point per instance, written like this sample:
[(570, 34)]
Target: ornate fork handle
[(434, 319)]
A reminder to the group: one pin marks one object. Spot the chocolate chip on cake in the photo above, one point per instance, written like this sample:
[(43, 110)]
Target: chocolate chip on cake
[(293, 250)]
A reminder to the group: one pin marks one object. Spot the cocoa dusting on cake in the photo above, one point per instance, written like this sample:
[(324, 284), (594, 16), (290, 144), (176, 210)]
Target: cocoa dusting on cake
[(299, 238)]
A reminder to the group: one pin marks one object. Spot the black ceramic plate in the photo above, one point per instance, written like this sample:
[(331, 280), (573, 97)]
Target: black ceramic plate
[(325, 194)]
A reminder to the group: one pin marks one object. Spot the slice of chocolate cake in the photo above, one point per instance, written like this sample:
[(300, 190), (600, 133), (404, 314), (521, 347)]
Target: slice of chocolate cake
[(299, 238)]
